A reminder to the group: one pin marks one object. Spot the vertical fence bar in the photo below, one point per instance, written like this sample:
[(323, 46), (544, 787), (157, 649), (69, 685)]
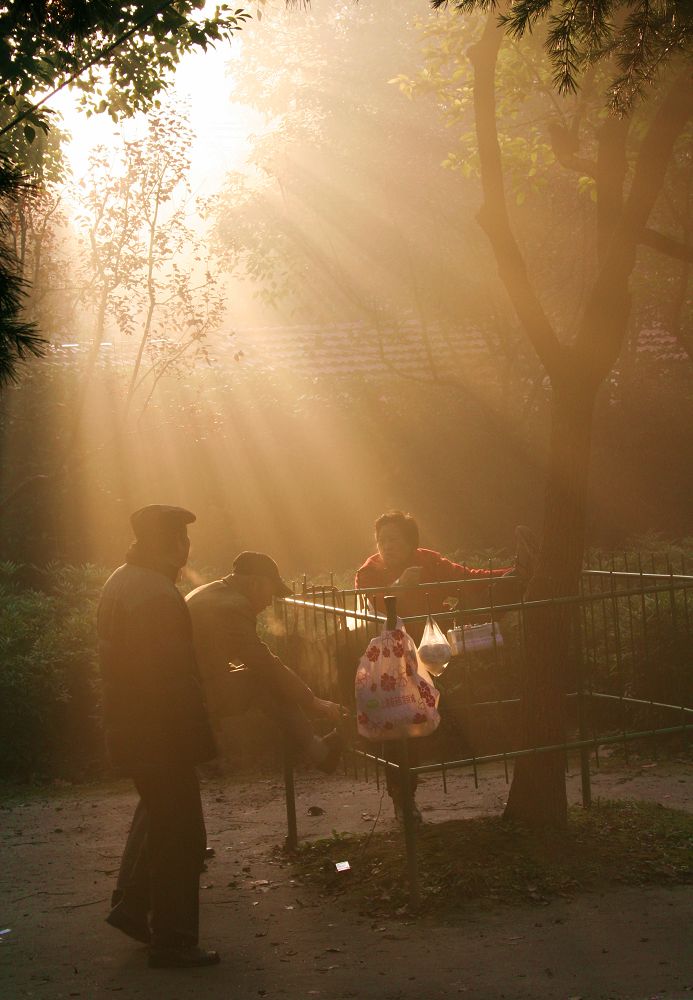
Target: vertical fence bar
[(409, 824), (290, 793), (405, 783), (500, 714), (587, 667), (585, 777)]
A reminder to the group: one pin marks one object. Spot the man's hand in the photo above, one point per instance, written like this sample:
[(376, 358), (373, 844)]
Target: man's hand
[(410, 577), (327, 709)]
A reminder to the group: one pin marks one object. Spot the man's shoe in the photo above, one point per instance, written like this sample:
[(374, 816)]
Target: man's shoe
[(132, 926), (333, 743), (181, 958)]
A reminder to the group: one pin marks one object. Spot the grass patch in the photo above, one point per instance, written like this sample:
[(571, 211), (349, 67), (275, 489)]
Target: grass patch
[(490, 861)]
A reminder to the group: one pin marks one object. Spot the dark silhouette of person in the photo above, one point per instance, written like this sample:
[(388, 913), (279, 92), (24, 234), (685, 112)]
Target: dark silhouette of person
[(157, 730), (224, 619)]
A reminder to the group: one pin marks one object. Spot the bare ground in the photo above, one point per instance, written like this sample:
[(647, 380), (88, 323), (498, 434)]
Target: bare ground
[(280, 938)]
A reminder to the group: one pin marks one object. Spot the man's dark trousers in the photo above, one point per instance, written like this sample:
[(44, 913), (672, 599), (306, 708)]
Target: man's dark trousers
[(163, 857)]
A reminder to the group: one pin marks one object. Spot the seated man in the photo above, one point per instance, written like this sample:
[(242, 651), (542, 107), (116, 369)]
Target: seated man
[(224, 619), (400, 562)]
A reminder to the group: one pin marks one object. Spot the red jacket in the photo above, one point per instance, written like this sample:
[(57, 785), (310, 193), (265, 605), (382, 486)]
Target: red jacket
[(436, 568)]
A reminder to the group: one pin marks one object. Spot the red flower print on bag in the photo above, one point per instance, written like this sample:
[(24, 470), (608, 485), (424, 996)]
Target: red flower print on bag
[(395, 697)]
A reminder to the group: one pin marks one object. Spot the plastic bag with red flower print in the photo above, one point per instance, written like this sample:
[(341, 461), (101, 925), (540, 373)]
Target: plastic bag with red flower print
[(395, 696)]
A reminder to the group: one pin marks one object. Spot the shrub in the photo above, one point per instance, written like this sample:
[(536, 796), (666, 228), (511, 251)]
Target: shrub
[(49, 685)]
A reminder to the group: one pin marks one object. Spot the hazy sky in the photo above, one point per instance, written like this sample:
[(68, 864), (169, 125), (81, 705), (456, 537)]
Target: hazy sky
[(222, 126)]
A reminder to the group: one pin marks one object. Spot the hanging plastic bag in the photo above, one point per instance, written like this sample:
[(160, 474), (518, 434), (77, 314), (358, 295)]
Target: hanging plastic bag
[(434, 649), (395, 696), (475, 638)]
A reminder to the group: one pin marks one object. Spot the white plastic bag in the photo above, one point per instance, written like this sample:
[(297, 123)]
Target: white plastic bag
[(434, 649), (475, 638), (395, 696)]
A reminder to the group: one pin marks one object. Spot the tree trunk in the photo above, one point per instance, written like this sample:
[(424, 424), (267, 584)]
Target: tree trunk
[(537, 797)]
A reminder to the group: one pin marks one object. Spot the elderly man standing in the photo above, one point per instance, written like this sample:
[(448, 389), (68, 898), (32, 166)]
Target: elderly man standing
[(157, 730), (224, 618)]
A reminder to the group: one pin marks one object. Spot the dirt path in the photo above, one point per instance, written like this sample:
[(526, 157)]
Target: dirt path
[(279, 938)]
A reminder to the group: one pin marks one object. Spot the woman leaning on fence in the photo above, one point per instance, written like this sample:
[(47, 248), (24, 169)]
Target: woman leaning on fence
[(400, 561)]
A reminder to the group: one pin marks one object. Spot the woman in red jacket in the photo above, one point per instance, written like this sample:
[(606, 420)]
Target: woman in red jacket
[(400, 562)]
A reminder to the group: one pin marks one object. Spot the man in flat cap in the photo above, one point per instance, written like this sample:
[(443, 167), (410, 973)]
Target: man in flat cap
[(224, 619), (157, 730)]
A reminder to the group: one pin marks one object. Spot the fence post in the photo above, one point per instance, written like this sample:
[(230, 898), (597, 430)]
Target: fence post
[(582, 711), (409, 824), (290, 793), (405, 785)]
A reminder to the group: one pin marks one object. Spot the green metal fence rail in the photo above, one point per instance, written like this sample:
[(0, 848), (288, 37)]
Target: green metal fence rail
[(628, 652)]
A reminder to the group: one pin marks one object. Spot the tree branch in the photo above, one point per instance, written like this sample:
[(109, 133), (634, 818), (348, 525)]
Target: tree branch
[(666, 245), (603, 327), (493, 216), (564, 145)]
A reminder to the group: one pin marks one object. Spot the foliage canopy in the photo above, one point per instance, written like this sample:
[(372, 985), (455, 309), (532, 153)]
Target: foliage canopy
[(637, 37), (120, 56)]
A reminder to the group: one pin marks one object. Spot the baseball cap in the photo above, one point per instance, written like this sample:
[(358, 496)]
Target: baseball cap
[(260, 564)]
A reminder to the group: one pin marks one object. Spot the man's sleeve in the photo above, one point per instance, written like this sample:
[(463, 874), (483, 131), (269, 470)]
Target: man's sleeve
[(268, 669), (449, 570)]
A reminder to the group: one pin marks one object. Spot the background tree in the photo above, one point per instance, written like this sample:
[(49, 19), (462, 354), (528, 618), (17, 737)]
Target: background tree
[(622, 163), (339, 222), (147, 265), (119, 55)]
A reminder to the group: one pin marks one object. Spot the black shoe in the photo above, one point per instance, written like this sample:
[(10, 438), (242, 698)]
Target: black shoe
[(209, 852), (181, 958), (134, 927), (333, 743)]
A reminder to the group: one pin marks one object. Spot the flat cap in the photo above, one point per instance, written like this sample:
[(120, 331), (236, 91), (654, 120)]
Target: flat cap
[(259, 564), (158, 517)]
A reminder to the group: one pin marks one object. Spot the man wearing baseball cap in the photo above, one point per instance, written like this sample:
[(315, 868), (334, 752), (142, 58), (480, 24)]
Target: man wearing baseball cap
[(157, 730), (224, 619)]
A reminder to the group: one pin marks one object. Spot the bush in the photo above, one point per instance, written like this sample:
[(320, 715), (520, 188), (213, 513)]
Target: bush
[(49, 683)]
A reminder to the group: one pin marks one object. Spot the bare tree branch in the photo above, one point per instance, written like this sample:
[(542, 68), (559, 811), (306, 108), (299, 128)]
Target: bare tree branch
[(666, 245), (493, 216)]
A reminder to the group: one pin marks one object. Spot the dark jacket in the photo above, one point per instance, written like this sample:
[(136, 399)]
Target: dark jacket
[(225, 631), (154, 711)]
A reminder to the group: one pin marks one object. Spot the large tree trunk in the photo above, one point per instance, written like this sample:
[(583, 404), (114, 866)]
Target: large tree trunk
[(537, 795)]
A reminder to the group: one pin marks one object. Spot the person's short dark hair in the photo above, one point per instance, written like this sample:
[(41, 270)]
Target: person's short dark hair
[(159, 522), (260, 564), (405, 522)]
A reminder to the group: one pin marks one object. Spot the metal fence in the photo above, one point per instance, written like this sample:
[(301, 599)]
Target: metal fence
[(627, 665)]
